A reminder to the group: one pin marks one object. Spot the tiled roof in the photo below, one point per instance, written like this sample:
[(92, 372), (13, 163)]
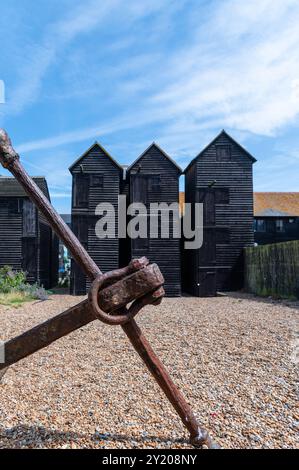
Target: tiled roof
[(276, 204), (10, 187), (182, 201), (269, 204)]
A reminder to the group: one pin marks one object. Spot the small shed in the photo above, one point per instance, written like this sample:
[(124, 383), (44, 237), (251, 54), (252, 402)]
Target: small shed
[(220, 178), (154, 178), (96, 179), (27, 242), (276, 217)]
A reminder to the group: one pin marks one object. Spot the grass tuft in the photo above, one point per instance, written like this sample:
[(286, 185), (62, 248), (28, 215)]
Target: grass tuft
[(15, 299)]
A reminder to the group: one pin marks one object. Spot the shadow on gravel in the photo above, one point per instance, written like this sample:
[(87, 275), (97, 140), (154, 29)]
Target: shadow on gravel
[(39, 436)]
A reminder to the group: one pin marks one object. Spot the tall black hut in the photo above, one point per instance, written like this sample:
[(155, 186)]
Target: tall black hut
[(96, 179), (220, 177), (154, 178)]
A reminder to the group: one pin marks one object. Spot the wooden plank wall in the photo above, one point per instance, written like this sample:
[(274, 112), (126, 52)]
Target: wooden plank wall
[(10, 236), (105, 252), (25, 240), (273, 270), (165, 252), (235, 216)]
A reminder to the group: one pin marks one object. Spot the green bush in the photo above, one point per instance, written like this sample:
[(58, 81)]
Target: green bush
[(15, 281), (10, 279)]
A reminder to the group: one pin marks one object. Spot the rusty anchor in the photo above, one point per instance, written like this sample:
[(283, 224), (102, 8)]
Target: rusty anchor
[(137, 285)]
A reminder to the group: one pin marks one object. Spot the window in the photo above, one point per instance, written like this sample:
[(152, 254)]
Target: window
[(260, 225), (155, 183), (97, 181), (222, 196), (81, 190), (279, 225), (223, 153), (14, 206)]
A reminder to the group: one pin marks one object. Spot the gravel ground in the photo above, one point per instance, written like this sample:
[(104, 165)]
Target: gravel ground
[(234, 357)]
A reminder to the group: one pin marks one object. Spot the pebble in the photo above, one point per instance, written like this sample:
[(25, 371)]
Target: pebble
[(230, 356)]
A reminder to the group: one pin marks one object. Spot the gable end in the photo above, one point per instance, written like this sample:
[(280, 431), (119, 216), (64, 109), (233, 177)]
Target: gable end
[(156, 147), (222, 134), (94, 147)]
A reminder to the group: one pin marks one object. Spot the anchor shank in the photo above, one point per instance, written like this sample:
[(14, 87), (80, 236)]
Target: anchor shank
[(161, 375)]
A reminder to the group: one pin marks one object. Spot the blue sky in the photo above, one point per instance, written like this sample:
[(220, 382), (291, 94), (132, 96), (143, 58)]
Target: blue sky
[(127, 73)]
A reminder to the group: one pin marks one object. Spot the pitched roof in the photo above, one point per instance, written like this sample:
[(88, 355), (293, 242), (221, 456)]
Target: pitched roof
[(10, 187), (162, 151), (96, 144), (276, 204), (223, 132)]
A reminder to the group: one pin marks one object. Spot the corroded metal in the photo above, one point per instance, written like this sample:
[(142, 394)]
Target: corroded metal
[(139, 283), (127, 289), (46, 333), (7, 153)]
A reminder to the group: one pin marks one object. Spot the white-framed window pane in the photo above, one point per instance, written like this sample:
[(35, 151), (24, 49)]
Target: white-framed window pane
[(279, 225), (260, 225)]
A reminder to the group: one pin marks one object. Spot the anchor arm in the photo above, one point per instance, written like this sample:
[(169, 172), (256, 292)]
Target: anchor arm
[(46, 333), (83, 313)]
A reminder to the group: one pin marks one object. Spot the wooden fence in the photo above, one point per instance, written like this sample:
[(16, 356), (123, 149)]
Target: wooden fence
[(273, 270)]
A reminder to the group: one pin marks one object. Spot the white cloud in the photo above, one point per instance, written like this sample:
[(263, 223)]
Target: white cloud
[(243, 73), (77, 135), (83, 19), (236, 69), (41, 56)]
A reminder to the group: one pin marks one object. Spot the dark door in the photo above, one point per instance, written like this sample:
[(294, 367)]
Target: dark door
[(207, 198), (29, 258), (29, 219), (139, 188), (54, 259), (139, 193), (80, 229), (29, 240), (81, 190), (44, 254), (207, 283), (207, 253)]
